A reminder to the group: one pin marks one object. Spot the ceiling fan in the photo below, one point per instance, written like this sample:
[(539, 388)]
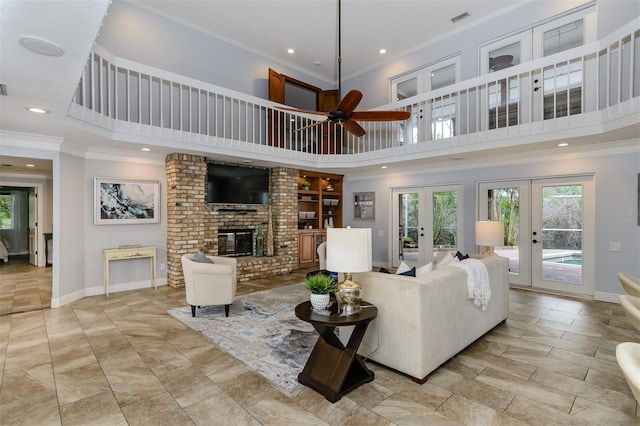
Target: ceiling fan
[(345, 114)]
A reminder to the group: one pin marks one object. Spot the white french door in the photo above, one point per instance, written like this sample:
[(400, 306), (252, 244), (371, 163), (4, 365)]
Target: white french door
[(563, 235), (425, 219), (549, 231)]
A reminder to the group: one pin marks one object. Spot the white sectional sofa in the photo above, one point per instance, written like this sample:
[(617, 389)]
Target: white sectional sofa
[(424, 321)]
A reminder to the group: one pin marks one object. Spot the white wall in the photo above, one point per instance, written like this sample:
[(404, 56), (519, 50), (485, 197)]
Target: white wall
[(615, 174), (69, 220), (99, 237)]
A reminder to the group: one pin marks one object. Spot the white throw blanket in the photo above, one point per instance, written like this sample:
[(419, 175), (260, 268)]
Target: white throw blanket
[(477, 281)]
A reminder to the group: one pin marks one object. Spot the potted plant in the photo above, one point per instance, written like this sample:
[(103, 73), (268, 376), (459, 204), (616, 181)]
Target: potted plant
[(320, 287), (306, 184)]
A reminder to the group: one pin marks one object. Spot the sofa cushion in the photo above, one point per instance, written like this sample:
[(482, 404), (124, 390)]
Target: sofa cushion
[(200, 257), (402, 268), (410, 273), (424, 269), (461, 256), (446, 261)]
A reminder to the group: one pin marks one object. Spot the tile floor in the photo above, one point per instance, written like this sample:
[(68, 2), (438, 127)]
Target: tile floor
[(23, 287), (124, 360)]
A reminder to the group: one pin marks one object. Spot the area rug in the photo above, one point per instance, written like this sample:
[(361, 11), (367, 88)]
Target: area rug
[(262, 331)]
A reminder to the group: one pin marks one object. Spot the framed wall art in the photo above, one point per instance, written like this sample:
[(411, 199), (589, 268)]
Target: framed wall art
[(125, 201), (364, 206)]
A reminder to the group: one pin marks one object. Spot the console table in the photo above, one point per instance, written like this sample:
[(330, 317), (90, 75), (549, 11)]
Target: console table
[(333, 369), (124, 253)]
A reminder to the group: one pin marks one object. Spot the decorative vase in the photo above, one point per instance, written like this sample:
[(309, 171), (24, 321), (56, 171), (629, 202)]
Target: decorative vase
[(260, 242), (320, 301), (269, 242)]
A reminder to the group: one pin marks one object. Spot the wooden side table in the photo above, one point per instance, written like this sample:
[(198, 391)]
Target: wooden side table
[(124, 253), (332, 369)]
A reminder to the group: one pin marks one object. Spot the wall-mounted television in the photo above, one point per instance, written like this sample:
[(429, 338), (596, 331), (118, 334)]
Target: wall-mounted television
[(236, 184)]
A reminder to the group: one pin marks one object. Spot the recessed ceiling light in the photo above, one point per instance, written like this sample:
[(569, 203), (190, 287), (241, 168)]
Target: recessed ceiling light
[(563, 144), (382, 51), (383, 167), (30, 165), (145, 149), (37, 110), (41, 47), (291, 51)]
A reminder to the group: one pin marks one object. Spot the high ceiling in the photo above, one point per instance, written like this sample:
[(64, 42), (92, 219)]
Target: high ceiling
[(309, 27)]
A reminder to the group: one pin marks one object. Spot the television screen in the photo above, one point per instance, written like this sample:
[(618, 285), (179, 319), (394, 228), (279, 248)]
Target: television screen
[(235, 184)]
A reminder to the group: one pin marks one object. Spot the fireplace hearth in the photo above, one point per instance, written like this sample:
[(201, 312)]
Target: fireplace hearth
[(235, 242)]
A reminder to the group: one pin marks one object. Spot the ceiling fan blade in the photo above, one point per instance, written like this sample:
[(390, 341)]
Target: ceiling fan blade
[(353, 128), (380, 115), (349, 102), (303, 111), (311, 125)]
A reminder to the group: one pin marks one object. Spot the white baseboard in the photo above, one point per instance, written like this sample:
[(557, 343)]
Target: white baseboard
[(68, 298), (606, 297), (98, 290)]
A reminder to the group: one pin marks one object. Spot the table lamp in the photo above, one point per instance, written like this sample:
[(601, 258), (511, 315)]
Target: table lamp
[(489, 234), (349, 251)]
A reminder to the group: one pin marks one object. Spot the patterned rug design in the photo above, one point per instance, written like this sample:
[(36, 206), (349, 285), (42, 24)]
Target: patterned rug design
[(262, 331)]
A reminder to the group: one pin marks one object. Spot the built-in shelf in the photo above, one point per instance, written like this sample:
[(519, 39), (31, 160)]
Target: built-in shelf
[(324, 204)]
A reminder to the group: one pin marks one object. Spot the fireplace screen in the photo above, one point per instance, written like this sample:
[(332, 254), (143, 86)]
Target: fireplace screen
[(235, 242)]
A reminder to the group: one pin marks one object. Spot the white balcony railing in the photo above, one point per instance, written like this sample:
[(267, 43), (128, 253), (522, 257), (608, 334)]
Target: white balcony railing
[(555, 92)]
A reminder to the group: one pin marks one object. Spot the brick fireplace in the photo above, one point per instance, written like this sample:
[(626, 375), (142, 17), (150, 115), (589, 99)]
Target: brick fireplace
[(193, 224)]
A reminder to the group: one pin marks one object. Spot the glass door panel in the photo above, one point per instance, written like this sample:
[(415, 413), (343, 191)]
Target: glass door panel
[(508, 202), (445, 219), (407, 225)]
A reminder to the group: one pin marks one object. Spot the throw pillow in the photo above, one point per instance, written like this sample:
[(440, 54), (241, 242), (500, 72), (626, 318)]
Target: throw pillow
[(424, 269), (446, 260), (410, 273), (384, 271), (461, 256), (402, 268), (200, 257)]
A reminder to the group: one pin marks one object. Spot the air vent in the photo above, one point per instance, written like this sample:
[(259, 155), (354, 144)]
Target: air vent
[(3, 89), (459, 17)]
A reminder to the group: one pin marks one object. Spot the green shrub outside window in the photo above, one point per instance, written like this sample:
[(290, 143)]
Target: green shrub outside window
[(6, 211)]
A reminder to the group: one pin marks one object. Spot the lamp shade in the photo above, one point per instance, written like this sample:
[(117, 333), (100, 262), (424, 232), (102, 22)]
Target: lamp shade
[(349, 249), (489, 233)]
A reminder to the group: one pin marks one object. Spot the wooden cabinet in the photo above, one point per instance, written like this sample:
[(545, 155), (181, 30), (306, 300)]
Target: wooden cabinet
[(319, 206), (308, 242)]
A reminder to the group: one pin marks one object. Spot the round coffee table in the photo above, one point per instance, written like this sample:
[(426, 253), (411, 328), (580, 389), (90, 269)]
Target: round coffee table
[(333, 369)]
